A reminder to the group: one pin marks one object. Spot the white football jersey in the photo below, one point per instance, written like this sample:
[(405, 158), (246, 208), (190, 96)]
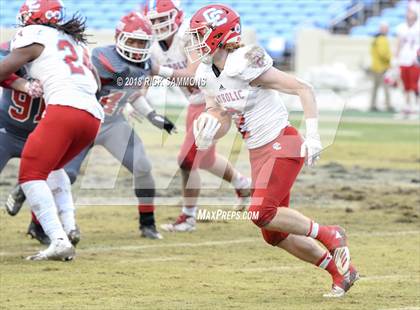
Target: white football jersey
[(61, 68), (175, 58), (410, 43), (259, 113)]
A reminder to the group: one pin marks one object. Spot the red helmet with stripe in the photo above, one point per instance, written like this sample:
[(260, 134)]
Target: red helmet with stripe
[(134, 37), (165, 15), (40, 12), (212, 27)]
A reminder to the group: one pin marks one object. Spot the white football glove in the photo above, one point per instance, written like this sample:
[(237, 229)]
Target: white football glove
[(311, 147), (34, 88), (205, 128)]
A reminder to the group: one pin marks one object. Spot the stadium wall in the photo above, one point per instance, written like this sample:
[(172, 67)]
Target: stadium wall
[(317, 47)]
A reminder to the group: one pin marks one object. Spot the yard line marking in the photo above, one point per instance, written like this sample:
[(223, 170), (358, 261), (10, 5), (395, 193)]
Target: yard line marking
[(386, 233), (159, 259), (389, 277), (264, 269), (169, 245), (212, 243), (403, 308)]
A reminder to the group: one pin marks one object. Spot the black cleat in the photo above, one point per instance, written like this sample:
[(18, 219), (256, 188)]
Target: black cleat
[(74, 236), (150, 232), (15, 200), (35, 231)]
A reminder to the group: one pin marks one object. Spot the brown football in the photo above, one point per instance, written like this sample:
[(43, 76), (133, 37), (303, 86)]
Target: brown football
[(224, 118)]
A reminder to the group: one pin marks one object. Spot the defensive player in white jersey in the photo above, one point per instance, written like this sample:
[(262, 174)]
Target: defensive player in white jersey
[(243, 81), (170, 61), (54, 52)]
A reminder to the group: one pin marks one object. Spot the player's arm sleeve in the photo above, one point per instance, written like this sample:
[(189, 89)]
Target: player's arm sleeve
[(253, 61), (142, 106)]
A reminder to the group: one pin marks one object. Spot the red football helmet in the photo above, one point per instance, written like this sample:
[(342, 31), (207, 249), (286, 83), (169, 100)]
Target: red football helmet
[(165, 16), (40, 12), (212, 27), (136, 28)]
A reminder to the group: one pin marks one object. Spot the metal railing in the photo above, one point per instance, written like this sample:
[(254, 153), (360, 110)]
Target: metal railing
[(356, 8)]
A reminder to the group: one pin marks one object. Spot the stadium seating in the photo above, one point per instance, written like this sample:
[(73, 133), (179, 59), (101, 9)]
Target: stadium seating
[(274, 21), (393, 16)]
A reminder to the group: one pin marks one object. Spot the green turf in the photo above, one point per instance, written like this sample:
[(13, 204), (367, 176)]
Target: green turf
[(366, 182)]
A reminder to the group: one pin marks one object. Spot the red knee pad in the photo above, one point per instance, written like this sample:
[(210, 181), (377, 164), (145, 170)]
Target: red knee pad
[(263, 209), (186, 161), (273, 237)]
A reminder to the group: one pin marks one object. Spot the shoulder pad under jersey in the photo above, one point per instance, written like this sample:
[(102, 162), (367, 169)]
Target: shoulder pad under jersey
[(248, 63)]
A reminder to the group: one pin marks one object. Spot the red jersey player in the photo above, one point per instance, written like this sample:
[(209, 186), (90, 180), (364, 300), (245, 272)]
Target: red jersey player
[(170, 61), (242, 80), (54, 52)]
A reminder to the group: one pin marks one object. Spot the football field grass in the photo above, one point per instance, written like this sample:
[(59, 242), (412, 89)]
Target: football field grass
[(367, 181)]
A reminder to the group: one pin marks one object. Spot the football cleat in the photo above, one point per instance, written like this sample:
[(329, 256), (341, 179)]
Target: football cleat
[(336, 243), (60, 249), (150, 232), (244, 196), (184, 223), (342, 284), (74, 236), (15, 200), (35, 231)]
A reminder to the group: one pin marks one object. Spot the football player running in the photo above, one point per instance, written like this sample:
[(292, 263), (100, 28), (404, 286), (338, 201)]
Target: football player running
[(242, 80), (21, 108), (129, 57), (54, 52), (170, 61)]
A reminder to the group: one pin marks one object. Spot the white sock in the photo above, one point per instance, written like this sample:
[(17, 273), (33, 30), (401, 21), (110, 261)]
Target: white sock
[(239, 181), (325, 260), (41, 201), (313, 230), (191, 211), (60, 185)]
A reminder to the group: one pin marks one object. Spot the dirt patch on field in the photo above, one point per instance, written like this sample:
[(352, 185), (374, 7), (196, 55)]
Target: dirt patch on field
[(330, 185)]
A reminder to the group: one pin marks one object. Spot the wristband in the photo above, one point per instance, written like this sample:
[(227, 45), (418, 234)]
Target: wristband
[(165, 72)]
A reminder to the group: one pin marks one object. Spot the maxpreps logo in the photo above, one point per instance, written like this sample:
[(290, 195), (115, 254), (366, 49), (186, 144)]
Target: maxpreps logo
[(226, 215)]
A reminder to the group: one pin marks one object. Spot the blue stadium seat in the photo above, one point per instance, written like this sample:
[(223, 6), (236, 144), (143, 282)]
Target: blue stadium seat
[(393, 16), (271, 18)]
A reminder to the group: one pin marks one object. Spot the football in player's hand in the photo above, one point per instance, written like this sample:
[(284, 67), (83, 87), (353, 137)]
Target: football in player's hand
[(224, 118)]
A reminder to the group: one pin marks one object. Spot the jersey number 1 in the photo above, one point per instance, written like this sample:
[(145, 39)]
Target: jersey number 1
[(22, 107)]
